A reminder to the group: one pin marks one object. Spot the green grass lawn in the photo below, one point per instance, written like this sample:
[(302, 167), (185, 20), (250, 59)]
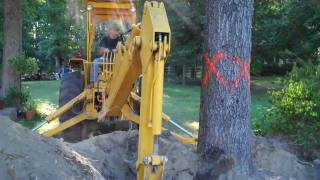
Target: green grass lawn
[(182, 103), (44, 91), (46, 94)]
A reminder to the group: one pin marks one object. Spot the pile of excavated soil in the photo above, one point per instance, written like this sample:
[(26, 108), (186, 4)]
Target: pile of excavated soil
[(27, 155), (114, 155)]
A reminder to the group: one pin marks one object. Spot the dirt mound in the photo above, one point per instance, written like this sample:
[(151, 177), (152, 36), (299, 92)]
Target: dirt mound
[(114, 155), (27, 155)]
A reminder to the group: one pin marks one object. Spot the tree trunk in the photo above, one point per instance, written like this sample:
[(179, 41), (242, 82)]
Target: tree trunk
[(57, 64), (225, 97), (12, 43), (184, 74)]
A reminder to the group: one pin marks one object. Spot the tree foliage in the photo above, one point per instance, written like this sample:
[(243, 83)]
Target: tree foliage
[(287, 30), (1, 31), (187, 19)]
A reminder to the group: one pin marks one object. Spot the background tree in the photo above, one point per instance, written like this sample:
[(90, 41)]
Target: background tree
[(225, 102), (56, 46), (187, 23), (285, 31), (1, 34), (12, 42), (53, 31)]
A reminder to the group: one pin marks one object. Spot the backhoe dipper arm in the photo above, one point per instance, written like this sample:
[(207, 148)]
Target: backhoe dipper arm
[(144, 53)]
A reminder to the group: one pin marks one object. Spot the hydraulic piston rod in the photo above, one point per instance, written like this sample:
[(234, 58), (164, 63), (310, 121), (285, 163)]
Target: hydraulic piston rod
[(181, 128)]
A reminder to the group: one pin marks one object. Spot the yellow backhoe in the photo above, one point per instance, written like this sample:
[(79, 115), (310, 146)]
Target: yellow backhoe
[(130, 85)]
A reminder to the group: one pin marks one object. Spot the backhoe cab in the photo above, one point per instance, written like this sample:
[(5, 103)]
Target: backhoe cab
[(130, 85)]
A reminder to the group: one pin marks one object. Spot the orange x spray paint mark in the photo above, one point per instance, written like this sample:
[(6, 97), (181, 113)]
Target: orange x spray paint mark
[(212, 68)]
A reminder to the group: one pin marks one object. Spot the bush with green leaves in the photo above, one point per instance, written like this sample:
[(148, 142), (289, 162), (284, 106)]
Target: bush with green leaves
[(30, 105), (17, 97), (295, 110), (24, 65)]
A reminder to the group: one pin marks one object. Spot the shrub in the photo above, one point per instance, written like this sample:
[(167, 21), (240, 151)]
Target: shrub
[(295, 109), (16, 97), (23, 65), (30, 105)]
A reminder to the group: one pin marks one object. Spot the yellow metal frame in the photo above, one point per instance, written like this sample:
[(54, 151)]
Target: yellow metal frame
[(144, 53)]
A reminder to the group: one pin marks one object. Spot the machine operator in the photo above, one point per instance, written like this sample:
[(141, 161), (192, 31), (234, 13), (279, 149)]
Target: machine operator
[(107, 49)]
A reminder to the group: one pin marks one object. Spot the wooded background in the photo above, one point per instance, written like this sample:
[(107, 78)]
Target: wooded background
[(285, 32)]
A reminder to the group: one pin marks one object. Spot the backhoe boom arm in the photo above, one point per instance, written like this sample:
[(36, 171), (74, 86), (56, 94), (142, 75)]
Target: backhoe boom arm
[(144, 54)]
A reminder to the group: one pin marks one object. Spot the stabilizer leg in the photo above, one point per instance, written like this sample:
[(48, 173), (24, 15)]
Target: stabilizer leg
[(75, 120)]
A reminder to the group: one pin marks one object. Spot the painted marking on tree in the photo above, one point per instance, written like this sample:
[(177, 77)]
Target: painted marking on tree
[(212, 68)]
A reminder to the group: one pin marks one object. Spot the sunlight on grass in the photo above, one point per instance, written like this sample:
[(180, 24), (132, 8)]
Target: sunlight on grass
[(45, 108), (55, 123), (194, 126)]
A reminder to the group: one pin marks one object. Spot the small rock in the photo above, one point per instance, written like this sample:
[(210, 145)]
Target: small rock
[(184, 176), (10, 112), (316, 162), (181, 164), (277, 160)]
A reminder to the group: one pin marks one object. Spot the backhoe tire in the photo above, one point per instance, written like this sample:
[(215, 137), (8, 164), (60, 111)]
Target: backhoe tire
[(71, 86)]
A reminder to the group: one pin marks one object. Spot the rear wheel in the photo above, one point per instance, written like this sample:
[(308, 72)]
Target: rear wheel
[(70, 87)]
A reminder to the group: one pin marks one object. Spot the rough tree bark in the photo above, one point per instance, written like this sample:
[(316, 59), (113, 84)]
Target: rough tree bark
[(12, 43), (225, 97)]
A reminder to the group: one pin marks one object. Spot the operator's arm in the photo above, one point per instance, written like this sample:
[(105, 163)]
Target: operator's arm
[(103, 51)]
